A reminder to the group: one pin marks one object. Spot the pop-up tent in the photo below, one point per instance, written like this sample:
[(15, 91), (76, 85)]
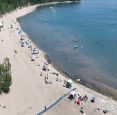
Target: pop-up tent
[(72, 93), (22, 44), (32, 58), (11, 26), (1, 24), (70, 81)]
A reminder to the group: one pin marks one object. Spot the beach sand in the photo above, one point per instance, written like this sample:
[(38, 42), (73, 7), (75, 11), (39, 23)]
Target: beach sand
[(29, 93)]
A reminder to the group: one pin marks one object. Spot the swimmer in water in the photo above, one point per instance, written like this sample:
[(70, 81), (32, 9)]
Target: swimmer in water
[(84, 62)]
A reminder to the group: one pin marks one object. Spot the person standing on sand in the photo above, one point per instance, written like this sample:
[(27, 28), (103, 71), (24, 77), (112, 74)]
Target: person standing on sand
[(45, 107)]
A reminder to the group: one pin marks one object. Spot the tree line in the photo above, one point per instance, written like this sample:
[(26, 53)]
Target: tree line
[(7, 6)]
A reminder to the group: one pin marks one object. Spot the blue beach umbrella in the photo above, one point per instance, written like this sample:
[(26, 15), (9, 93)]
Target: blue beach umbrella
[(34, 50), (22, 43), (19, 31), (50, 60), (94, 98), (47, 61)]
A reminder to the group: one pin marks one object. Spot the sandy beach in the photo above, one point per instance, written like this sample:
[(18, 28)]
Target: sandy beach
[(29, 93)]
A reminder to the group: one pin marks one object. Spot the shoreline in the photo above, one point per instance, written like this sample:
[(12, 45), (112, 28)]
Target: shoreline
[(60, 71), (29, 94)]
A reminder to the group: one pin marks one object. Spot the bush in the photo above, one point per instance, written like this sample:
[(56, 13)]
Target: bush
[(5, 76)]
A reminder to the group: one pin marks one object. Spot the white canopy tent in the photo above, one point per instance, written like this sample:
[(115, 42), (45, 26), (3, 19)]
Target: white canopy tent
[(70, 81), (72, 92), (1, 24), (33, 57)]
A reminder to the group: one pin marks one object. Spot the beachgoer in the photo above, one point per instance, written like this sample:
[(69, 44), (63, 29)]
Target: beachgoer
[(96, 79), (45, 108)]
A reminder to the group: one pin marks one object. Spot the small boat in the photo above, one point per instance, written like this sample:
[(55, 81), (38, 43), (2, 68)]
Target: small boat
[(38, 15), (51, 7), (45, 20), (54, 10), (42, 11)]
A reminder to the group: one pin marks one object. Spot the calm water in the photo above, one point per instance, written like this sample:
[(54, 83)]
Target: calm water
[(93, 23)]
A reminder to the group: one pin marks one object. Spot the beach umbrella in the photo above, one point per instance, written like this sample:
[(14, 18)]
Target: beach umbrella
[(50, 60), (34, 50), (47, 61), (94, 98), (22, 43)]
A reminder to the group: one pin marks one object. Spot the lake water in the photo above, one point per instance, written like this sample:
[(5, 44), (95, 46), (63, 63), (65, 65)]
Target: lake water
[(91, 26)]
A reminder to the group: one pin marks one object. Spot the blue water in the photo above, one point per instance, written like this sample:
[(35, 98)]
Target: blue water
[(93, 23)]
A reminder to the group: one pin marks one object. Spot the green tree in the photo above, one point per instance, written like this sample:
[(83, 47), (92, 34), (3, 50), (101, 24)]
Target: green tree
[(5, 75), (0, 81)]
